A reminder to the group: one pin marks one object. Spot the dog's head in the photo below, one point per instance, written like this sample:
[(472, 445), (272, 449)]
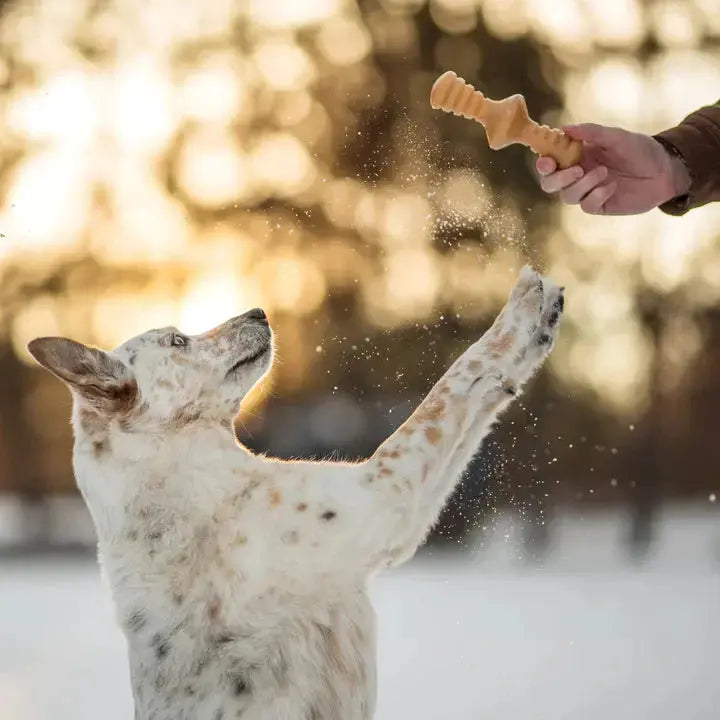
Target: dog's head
[(163, 376)]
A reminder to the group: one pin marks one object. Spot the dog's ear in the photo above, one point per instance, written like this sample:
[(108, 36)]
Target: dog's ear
[(101, 379)]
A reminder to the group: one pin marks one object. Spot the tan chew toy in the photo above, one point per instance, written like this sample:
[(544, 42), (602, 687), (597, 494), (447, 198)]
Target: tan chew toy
[(506, 121)]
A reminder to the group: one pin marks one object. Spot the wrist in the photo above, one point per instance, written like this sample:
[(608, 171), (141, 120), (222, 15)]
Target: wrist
[(676, 174), (679, 176)]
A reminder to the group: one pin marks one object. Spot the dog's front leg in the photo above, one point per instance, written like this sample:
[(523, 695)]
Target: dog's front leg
[(418, 466)]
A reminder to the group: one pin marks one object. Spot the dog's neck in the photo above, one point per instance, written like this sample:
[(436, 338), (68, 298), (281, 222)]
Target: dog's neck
[(200, 439), (144, 439), (118, 467)]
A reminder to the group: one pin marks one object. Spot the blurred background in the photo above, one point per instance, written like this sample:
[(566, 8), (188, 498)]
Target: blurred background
[(178, 163)]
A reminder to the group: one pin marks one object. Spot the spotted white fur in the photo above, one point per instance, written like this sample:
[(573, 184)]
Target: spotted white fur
[(240, 581)]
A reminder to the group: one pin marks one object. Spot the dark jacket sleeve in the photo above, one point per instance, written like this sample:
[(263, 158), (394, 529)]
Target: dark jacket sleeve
[(696, 140)]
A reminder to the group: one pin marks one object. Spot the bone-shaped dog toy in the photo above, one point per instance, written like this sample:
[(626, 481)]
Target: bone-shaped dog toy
[(506, 121)]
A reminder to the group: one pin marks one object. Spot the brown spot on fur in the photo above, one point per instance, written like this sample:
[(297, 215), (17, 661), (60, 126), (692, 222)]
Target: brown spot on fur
[(180, 359), (184, 416), (301, 507), (100, 448), (433, 434), (213, 608), (275, 497), (123, 398), (126, 421), (503, 343), (385, 471), (164, 384), (475, 366), (328, 515), (431, 409), (240, 684), (91, 421), (291, 537)]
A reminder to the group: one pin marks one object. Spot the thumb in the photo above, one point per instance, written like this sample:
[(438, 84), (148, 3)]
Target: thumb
[(590, 132)]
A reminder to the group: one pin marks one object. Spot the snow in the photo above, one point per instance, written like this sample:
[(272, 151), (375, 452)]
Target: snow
[(467, 636)]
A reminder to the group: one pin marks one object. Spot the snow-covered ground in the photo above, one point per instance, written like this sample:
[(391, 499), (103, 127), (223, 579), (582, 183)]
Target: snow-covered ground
[(468, 637)]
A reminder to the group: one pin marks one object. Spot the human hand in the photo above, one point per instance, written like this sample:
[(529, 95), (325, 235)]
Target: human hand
[(620, 172)]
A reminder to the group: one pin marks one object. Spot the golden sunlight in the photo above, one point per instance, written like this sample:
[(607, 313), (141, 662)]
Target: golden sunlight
[(140, 111), (464, 195), (213, 168), (406, 220), (617, 23), (46, 203), (284, 65), (563, 24), (282, 165), (278, 14), (163, 147), (615, 91), (409, 288), (215, 296), (65, 109), (292, 283), (214, 91), (506, 18), (344, 41), (675, 23)]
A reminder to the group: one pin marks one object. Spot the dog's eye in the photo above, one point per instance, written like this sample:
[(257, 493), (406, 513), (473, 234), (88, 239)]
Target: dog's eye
[(178, 341)]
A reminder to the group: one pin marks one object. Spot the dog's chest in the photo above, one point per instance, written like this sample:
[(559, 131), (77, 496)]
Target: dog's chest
[(208, 640), (216, 626), (316, 663)]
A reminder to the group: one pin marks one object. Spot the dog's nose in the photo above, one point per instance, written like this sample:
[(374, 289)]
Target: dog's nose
[(256, 314)]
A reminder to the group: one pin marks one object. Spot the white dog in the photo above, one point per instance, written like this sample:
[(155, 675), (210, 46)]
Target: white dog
[(240, 581)]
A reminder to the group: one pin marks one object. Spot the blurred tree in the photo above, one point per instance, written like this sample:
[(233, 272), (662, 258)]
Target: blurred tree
[(163, 164)]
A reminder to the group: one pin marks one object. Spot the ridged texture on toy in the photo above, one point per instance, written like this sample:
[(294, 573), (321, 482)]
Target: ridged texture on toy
[(506, 121)]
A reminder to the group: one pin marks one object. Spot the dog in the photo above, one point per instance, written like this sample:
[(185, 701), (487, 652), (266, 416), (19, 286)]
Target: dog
[(240, 581)]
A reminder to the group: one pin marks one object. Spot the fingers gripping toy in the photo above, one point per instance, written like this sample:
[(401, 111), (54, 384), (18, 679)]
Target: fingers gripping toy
[(506, 121)]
